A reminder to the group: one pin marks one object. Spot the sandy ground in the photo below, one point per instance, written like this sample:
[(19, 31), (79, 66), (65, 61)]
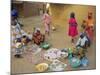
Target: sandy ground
[(59, 39)]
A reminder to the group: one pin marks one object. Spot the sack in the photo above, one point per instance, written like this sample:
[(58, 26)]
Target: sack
[(75, 62)]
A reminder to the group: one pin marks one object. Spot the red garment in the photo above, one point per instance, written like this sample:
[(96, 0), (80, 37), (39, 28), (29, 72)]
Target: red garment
[(90, 33), (72, 27)]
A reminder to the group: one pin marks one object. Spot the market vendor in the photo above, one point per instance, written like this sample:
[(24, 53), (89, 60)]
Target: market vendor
[(38, 38), (83, 41)]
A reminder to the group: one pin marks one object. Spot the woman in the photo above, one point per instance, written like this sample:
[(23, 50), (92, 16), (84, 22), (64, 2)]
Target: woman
[(38, 38), (90, 25)]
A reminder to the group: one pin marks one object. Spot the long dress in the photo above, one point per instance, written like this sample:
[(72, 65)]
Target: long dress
[(46, 20), (72, 27), (90, 28)]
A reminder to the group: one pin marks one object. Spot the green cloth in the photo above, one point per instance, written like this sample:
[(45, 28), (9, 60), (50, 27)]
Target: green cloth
[(75, 62), (45, 45)]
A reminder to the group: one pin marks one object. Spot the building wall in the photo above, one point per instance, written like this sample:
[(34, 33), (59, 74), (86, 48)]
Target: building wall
[(61, 13), (28, 9), (19, 7)]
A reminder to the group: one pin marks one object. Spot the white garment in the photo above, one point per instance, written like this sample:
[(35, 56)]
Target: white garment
[(82, 41), (23, 33), (18, 36), (30, 36), (16, 29)]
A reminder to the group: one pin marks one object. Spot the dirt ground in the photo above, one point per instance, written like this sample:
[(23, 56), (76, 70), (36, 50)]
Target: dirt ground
[(59, 39)]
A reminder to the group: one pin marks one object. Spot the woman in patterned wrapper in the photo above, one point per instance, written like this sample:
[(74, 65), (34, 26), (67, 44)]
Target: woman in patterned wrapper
[(38, 37)]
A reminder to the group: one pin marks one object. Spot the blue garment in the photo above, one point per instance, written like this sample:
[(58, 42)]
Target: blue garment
[(14, 13)]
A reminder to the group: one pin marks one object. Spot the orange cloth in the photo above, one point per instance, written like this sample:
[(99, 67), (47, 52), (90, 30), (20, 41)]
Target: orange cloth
[(90, 22)]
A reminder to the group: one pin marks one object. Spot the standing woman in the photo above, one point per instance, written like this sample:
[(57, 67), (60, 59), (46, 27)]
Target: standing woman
[(47, 22), (90, 25), (72, 27)]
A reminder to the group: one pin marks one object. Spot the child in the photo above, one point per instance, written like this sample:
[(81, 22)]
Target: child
[(18, 48), (72, 27), (16, 29), (47, 21)]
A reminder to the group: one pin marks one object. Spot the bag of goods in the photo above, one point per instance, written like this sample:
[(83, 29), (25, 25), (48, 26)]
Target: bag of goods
[(45, 45), (63, 53), (84, 61), (57, 65), (42, 67), (75, 62)]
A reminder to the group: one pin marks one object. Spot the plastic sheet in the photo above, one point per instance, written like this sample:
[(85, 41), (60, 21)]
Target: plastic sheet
[(54, 53), (57, 65)]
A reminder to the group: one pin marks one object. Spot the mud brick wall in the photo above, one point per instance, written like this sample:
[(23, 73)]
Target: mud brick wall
[(61, 13)]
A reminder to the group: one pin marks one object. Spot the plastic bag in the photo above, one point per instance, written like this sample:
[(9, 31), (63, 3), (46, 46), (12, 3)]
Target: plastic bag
[(45, 45), (84, 61), (57, 65), (70, 51), (75, 62)]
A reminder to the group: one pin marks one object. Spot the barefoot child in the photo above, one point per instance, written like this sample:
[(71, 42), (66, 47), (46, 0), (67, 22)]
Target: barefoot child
[(47, 21), (18, 48)]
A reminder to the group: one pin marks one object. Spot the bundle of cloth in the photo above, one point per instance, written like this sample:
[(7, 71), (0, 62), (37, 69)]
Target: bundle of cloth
[(42, 67), (54, 53), (57, 65)]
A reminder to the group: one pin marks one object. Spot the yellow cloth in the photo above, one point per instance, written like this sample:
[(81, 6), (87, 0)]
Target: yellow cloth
[(42, 67)]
